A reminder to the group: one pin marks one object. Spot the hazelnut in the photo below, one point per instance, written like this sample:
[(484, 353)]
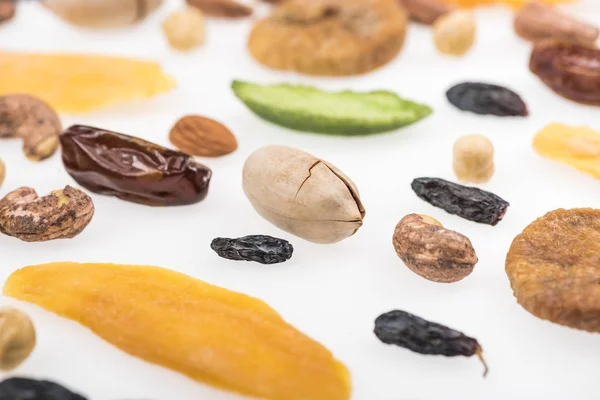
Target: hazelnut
[(185, 29), (454, 33), (473, 159), (17, 338)]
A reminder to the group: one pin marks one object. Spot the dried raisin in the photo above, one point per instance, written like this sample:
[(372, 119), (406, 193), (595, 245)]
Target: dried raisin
[(486, 99), (31, 389), (260, 248)]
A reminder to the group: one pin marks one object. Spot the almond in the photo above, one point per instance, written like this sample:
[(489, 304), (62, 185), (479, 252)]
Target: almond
[(222, 8), (201, 136)]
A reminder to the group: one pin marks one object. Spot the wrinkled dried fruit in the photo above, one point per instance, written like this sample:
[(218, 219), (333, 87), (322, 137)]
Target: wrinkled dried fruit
[(260, 248), (473, 159), (31, 389), (302, 194), (222, 8), (310, 109), (421, 336), (131, 168), (184, 29), (63, 214), (17, 338), (467, 202), (570, 70), (102, 13), (432, 251), (32, 120), (425, 11), (201, 136), (554, 270), (330, 37), (213, 335), (74, 83), (486, 99), (7, 9), (454, 33), (577, 146), (538, 21)]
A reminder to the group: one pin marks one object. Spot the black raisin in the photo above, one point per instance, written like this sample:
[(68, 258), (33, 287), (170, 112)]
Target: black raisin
[(31, 389), (421, 336), (467, 202), (483, 98), (260, 248)]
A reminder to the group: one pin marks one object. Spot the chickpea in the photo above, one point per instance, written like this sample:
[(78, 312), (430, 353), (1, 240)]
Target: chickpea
[(473, 159), (454, 33), (185, 29), (17, 338)]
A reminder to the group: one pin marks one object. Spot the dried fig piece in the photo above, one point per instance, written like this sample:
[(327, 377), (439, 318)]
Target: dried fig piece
[(554, 268), (330, 37), (570, 70)]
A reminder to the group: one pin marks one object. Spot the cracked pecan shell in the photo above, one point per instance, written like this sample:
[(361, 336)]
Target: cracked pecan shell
[(554, 268)]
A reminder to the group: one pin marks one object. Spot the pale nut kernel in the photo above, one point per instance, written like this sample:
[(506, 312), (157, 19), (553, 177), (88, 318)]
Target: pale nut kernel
[(17, 338), (184, 29), (454, 33), (432, 251), (473, 159)]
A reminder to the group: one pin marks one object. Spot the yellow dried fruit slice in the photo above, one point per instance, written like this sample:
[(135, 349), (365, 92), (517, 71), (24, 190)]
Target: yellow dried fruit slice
[(77, 83), (554, 268), (577, 146), (213, 335)]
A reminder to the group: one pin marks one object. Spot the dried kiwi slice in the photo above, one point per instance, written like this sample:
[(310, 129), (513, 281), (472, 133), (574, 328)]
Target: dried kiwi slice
[(309, 109)]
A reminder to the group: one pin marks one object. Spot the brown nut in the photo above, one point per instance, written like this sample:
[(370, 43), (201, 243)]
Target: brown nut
[(63, 214), (454, 33), (426, 11), (432, 251), (222, 8), (7, 10), (2, 172), (32, 120), (184, 29), (473, 159), (17, 338), (202, 136), (538, 21)]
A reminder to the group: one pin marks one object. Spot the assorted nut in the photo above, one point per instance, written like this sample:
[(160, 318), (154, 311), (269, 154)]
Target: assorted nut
[(17, 338), (473, 159), (7, 9), (432, 251), (102, 13), (63, 214), (185, 29), (454, 33), (302, 194), (201, 136), (222, 8), (426, 11), (32, 120)]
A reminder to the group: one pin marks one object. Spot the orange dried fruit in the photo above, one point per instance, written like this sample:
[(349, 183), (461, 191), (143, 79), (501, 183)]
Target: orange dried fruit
[(511, 3), (213, 335), (77, 83), (554, 268), (330, 37), (577, 146)]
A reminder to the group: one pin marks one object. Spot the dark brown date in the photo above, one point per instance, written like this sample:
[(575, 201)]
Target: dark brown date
[(570, 70), (132, 169), (421, 336)]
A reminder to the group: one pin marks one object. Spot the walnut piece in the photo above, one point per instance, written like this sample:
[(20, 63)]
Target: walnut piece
[(432, 251), (63, 214), (17, 338), (554, 268)]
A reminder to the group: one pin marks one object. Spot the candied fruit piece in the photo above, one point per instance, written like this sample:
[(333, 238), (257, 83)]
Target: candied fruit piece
[(213, 335), (77, 83), (577, 146)]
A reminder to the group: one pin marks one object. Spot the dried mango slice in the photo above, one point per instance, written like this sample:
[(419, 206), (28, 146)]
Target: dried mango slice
[(216, 336), (77, 83), (576, 146), (511, 3)]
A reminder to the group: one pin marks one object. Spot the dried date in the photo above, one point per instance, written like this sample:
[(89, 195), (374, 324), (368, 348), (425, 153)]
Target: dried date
[(260, 248), (570, 70), (424, 337), (467, 202), (486, 99), (31, 389), (132, 169)]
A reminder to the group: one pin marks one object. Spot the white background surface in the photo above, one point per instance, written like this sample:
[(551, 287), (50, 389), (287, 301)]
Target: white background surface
[(331, 292)]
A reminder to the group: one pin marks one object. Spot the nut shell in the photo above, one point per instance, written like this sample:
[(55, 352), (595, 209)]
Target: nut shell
[(432, 251), (302, 194), (330, 37), (554, 268)]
